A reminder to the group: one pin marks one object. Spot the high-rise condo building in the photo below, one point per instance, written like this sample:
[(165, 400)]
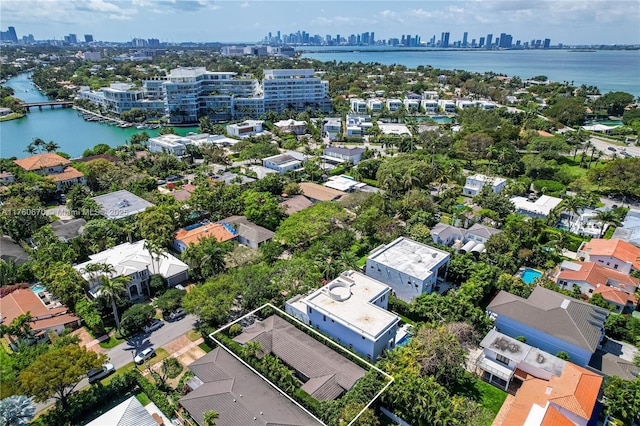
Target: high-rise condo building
[(88, 38), (464, 39), (489, 40)]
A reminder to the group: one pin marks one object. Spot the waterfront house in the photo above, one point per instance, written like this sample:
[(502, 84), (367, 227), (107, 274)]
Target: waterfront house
[(551, 321), (538, 208), (225, 385), (613, 254), (193, 234), (136, 262), (171, 144), (119, 204), (247, 232), (327, 373), (297, 127), (53, 166), (352, 309), (410, 268), (245, 129), (474, 184)]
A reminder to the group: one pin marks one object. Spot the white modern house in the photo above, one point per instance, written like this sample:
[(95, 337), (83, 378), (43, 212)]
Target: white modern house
[(551, 322), (171, 144), (245, 129), (281, 163), (343, 154), (358, 124), (538, 208), (474, 184), (332, 128), (394, 104), (297, 127), (352, 309), (375, 105), (136, 262), (412, 104), (358, 106), (410, 268), (447, 105), (430, 105)]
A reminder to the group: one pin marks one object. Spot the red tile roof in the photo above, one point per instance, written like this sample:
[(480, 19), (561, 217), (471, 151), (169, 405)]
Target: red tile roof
[(576, 390), (68, 173), (595, 274), (619, 249), (616, 296), (22, 301), (41, 161), (216, 230)]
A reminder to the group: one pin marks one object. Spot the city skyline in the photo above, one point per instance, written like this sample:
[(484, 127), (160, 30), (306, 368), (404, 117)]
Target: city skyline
[(174, 21)]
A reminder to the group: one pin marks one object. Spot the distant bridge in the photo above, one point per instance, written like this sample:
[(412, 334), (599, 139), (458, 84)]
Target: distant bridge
[(52, 104)]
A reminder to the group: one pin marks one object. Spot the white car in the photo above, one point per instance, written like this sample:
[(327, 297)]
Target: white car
[(101, 373), (144, 355)]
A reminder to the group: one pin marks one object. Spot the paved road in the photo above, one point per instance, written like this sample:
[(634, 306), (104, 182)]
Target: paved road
[(604, 145), (123, 354)]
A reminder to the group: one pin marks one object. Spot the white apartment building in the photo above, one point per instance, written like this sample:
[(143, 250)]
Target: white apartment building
[(351, 309), (297, 89), (121, 97)]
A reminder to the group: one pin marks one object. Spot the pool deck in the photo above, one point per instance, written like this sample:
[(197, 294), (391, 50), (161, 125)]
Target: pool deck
[(522, 270)]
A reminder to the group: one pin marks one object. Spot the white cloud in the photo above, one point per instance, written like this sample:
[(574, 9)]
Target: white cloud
[(244, 4)]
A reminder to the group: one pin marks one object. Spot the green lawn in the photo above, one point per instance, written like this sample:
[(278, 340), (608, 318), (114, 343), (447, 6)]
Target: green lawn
[(485, 394), (193, 335), (143, 398), (113, 341), (205, 347), (362, 261)]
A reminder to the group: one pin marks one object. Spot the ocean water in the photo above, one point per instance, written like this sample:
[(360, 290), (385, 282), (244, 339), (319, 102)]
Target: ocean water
[(609, 70)]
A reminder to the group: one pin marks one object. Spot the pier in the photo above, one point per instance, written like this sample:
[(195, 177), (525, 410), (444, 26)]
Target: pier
[(99, 117)]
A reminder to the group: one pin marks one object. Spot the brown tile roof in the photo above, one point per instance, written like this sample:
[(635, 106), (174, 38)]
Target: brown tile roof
[(238, 395), (319, 192), (616, 296), (576, 390), (619, 249), (306, 355), (595, 274), (215, 230), (555, 314), (67, 174), (295, 204), (22, 301), (180, 194), (41, 161), (545, 134)]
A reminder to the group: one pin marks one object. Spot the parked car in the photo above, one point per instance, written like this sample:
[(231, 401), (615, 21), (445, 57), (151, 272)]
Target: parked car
[(611, 148), (144, 355), (156, 324), (177, 314), (98, 374)]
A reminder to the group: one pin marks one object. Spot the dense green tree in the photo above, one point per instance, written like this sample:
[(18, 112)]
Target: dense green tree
[(622, 399), (156, 225), (206, 258), (303, 226), (614, 102), (212, 301), (56, 373), (569, 111), (169, 301), (136, 318), (263, 209)]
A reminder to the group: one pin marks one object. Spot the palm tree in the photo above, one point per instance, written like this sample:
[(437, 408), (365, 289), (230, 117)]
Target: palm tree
[(155, 250), (210, 418), (409, 180), (51, 147), (112, 289), (39, 144), (17, 410), (573, 205), (607, 217)]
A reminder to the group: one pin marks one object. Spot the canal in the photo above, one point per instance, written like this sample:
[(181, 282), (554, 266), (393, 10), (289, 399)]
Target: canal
[(64, 126)]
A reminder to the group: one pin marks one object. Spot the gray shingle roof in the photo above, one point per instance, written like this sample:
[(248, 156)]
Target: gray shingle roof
[(249, 230), (482, 231), (238, 395), (569, 319), (344, 151), (68, 229), (304, 354)]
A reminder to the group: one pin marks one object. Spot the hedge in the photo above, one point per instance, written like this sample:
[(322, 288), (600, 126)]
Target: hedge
[(155, 395)]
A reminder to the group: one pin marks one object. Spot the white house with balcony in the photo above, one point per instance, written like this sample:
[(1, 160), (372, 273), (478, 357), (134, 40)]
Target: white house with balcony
[(447, 105), (358, 106), (332, 128), (430, 94), (297, 127), (352, 309), (394, 104), (410, 268), (375, 105), (412, 105), (134, 260), (430, 106), (474, 184)]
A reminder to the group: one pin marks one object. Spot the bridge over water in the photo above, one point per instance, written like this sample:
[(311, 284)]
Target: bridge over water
[(52, 104)]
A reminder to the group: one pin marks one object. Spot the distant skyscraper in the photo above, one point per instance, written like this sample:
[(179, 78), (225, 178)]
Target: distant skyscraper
[(372, 39), (506, 40), (464, 39), (481, 42), (9, 35), (88, 38), (489, 40), (444, 40), (547, 43)]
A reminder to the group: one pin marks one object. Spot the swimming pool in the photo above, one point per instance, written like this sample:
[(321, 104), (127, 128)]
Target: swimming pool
[(530, 275), (37, 288), (404, 340)]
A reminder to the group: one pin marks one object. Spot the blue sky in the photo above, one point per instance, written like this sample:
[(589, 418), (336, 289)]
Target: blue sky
[(564, 21)]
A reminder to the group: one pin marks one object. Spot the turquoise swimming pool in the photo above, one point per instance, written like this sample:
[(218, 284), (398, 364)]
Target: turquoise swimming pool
[(530, 275), (404, 340), (37, 288)]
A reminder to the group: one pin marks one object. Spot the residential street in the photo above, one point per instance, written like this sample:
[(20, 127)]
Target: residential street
[(123, 354)]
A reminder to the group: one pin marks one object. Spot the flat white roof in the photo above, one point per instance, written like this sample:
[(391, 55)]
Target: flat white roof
[(408, 256), (494, 180), (348, 300), (542, 205), (394, 129), (342, 183)]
